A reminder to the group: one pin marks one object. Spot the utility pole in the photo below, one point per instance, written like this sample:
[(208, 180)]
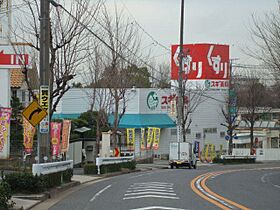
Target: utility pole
[(43, 138), (180, 112)]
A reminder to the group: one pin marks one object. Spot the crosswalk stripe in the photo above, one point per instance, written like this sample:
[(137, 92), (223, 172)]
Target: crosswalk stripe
[(150, 196), (149, 192)]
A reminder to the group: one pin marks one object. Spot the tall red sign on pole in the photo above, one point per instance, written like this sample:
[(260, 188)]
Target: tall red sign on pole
[(201, 62)]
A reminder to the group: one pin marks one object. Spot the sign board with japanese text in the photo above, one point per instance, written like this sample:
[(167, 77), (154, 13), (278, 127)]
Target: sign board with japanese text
[(34, 113), (201, 62), (5, 117), (44, 102)]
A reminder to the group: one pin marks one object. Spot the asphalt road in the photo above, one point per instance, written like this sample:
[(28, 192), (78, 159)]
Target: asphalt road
[(172, 189)]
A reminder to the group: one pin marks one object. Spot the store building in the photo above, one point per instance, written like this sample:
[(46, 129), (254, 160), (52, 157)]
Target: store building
[(151, 107)]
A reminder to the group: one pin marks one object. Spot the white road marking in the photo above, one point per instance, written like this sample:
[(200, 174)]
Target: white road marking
[(157, 190), (264, 176), (149, 192), (101, 191), (141, 175), (155, 187), (158, 207), (275, 185), (199, 187), (152, 184), (150, 196)]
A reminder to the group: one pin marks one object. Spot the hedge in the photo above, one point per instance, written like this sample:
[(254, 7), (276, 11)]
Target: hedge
[(234, 160), (92, 169), (5, 195), (27, 183)]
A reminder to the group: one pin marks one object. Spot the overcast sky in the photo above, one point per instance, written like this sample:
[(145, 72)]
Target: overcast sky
[(206, 21)]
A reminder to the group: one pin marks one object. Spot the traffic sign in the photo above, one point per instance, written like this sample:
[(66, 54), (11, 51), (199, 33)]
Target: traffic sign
[(227, 137), (116, 152), (34, 113)]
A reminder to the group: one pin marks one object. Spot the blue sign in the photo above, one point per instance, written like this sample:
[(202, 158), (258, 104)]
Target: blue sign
[(227, 137), (196, 147), (235, 136)]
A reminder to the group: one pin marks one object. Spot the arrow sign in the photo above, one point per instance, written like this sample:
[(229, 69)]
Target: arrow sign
[(34, 113), (38, 110)]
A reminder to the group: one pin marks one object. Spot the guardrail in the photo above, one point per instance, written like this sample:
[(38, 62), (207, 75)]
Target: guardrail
[(49, 168), (238, 156), (111, 160)]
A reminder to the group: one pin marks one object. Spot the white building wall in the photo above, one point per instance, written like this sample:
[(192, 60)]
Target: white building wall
[(207, 115)]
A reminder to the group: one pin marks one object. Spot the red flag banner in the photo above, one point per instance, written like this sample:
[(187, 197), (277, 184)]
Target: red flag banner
[(65, 135), (55, 137)]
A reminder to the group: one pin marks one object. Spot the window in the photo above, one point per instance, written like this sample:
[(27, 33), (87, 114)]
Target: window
[(173, 132), (23, 99), (209, 130), (222, 134), (14, 93), (274, 142), (198, 135)]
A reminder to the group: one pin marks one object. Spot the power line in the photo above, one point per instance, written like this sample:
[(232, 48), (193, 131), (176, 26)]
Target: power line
[(149, 35), (104, 42)]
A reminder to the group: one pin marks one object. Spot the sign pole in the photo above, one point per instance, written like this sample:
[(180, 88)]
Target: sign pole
[(180, 83), (43, 138)]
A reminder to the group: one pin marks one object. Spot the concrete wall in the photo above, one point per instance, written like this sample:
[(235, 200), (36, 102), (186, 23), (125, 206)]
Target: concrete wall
[(75, 152)]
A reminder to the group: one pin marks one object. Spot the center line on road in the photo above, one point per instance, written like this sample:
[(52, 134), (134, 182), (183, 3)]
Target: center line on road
[(101, 191)]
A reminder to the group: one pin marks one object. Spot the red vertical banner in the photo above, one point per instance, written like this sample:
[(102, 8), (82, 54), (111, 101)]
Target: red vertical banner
[(28, 134), (5, 116), (66, 128), (55, 137)]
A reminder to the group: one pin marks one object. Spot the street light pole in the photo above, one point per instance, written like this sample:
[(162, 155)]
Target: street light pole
[(43, 138), (180, 82)]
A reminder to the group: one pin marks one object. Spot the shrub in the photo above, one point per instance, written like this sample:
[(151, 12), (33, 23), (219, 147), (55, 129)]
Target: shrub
[(90, 168), (25, 182), (5, 195), (130, 165), (67, 175)]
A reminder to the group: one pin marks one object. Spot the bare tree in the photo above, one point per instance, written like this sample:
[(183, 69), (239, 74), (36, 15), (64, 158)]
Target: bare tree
[(193, 96), (251, 101), (266, 37), (124, 40), (68, 41), (162, 76), (100, 98)]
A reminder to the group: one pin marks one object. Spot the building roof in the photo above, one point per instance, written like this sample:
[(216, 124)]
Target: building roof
[(144, 121), (17, 78)]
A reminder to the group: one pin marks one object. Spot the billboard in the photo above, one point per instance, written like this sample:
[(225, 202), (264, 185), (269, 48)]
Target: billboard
[(201, 62)]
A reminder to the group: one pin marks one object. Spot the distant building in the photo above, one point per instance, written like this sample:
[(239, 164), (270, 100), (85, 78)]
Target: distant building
[(151, 107)]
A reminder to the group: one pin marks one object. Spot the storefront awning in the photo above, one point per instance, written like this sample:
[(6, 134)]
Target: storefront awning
[(144, 121)]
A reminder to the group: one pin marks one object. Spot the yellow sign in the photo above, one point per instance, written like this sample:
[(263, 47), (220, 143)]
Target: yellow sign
[(34, 113)]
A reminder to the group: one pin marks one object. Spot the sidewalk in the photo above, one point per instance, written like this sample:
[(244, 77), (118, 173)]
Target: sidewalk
[(29, 201)]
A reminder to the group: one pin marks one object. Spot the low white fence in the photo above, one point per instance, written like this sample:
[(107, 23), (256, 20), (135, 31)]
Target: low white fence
[(268, 154), (261, 154), (240, 152), (49, 168), (111, 160)]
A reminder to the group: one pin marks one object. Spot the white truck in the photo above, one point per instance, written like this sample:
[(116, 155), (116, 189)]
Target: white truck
[(186, 157)]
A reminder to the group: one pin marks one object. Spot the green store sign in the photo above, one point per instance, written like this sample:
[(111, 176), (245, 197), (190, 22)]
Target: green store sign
[(152, 100)]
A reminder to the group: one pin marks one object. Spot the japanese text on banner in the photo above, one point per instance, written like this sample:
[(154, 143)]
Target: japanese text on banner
[(28, 132), (55, 137), (5, 116), (150, 137), (156, 138), (143, 146), (130, 136), (65, 135)]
